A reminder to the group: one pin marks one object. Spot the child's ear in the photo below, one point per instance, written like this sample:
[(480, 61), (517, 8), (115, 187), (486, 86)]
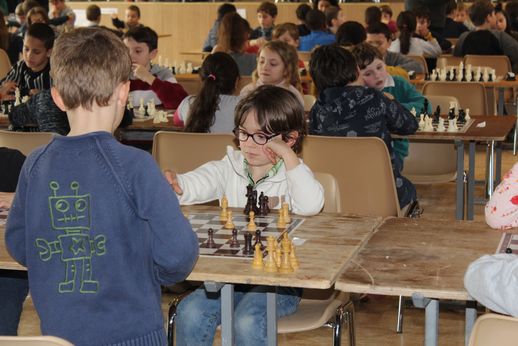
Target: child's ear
[(49, 53), (122, 97), (57, 99), (153, 53), (291, 138)]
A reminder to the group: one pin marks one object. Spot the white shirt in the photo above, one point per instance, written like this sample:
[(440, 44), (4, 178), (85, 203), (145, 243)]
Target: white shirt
[(428, 49)]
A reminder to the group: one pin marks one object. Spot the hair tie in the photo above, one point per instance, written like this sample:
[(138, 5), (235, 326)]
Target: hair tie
[(211, 76)]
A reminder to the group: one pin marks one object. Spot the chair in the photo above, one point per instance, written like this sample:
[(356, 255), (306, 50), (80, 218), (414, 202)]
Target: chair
[(309, 101), (33, 341), (429, 163), (25, 142), (470, 95), (421, 60), (366, 186), (500, 63), (493, 329), (5, 64), (184, 151), (448, 60)]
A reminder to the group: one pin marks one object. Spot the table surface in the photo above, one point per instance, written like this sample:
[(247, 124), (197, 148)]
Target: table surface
[(430, 257), (331, 240), (148, 125)]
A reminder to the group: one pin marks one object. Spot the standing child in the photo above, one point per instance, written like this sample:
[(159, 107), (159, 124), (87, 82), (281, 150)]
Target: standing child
[(212, 110), (266, 14), (149, 81), (346, 108), (374, 74), (99, 233), (270, 128), (277, 65), (32, 74), (132, 19)]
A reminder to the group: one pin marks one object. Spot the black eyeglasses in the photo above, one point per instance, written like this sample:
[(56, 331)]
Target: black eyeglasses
[(258, 137)]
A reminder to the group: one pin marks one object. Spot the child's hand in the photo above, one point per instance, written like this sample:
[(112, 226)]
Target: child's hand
[(6, 199), (7, 91), (171, 178), (33, 92), (258, 42), (143, 74), (277, 148)]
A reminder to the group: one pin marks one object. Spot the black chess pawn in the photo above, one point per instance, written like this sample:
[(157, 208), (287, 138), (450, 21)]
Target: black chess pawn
[(508, 250), (425, 106), (248, 250), (254, 202), (436, 115), (258, 239), (210, 241), (234, 242), (262, 210), (427, 76), (462, 116)]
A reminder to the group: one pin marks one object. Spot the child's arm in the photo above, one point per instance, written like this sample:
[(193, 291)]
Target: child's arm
[(116, 22), (431, 48), (399, 119), (492, 281), (502, 209)]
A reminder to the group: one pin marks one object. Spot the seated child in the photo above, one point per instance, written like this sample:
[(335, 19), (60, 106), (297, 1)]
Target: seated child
[(149, 81), (212, 109), (270, 128), (116, 226), (301, 12), (266, 14), (346, 108), (334, 18), (374, 74), (386, 18), (58, 10), (372, 15), (132, 19), (316, 23), (277, 65), (350, 33), (502, 209), (212, 37), (31, 74), (422, 31), (93, 15)]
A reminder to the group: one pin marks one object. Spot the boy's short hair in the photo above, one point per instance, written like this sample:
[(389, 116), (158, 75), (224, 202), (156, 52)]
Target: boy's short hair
[(87, 65), (451, 6), (42, 32), (93, 13), (19, 11), (143, 34), (283, 28), (278, 111), (386, 9), (268, 7), (331, 13), (365, 54), (301, 11), (28, 4), (372, 15), (315, 20), (224, 9), (380, 28), (479, 11), (422, 12), (135, 9), (350, 33), (332, 66)]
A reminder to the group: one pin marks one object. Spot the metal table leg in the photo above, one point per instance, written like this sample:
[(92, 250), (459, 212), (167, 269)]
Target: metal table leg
[(491, 169), (471, 182), (498, 163), (271, 316), (431, 320), (227, 315), (459, 204), (471, 316), (501, 100)]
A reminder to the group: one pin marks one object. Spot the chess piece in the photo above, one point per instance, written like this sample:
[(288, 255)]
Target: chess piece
[(421, 122), (224, 206), (278, 255), (247, 250), (433, 76), (286, 212), (440, 127), (251, 224), (285, 266), (467, 114), (189, 68), (229, 224), (234, 243), (258, 239), (17, 99), (485, 75), (271, 265), (413, 111), (508, 250), (451, 125), (294, 261), (428, 127), (462, 116), (210, 240), (281, 222), (258, 258), (263, 205)]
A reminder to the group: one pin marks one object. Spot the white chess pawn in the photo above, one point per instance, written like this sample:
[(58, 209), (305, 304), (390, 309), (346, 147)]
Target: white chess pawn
[(181, 69), (467, 114), (428, 127), (141, 111), (17, 100), (440, 127), (421, 122), (485, 76), (163, 117), (433, 76), (459, 75), (478, 73), (443, 75), (451, 125), (469, 75), (413, 111), (189, 68)]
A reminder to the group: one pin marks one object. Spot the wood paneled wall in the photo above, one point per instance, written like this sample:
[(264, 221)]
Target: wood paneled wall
[(189, 23)]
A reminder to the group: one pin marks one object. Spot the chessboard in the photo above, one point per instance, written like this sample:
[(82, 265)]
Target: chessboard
[(463, 126), (508, 244), (3, 216), (201, 222)]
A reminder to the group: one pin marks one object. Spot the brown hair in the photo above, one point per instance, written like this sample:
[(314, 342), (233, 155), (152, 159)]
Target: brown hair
[(268, 7), (278, 111), (290, 59), (233, 33), (37, 10), (365, 54), (4, 33), (281, 29), (87, 65), (93, 13)]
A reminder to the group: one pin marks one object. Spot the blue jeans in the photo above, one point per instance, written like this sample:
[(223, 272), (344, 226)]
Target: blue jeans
[(14, 288), (199, 314)]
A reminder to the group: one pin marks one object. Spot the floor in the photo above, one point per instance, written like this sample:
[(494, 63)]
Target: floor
[(375, 315)]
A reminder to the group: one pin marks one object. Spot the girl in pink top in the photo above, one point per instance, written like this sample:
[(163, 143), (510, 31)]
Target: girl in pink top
[(502, 208)]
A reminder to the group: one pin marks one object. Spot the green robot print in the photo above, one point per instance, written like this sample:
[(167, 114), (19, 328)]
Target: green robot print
[(70, 214)]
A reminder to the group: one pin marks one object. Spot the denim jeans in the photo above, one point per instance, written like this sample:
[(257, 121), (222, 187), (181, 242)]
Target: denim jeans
[(199, 314), (14, 288)]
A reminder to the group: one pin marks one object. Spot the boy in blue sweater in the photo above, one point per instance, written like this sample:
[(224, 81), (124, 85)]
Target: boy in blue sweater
[(98, 233)]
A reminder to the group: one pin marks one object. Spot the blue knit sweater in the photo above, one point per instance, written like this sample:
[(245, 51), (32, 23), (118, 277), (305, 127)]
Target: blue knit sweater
[(99, 230)]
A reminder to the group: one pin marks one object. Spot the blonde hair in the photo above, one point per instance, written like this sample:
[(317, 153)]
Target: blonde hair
[(87, 66), (290, 59)]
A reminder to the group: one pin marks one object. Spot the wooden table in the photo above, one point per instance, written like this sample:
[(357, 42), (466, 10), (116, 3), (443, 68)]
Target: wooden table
[(4, 122), (496, 130), (331, 241), (145, 130), (421, 258)]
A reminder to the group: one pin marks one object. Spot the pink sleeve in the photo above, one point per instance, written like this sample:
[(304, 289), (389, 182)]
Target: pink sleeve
[(177, 119), (502, 208)]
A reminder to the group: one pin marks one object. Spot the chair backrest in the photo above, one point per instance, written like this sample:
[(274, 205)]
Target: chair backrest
[(362, 168), (448, 60), (470, 95), (493, 329), (442, 101), (184, 151), (331, 192), (421, 60), (500, 63), (25, 142), (309, 101), (5, 64), (33, 341)]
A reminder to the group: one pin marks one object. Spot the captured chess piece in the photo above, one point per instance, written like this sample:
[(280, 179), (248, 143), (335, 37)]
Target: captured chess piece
[(258, 257), (234, 243), (229, 224), (251, 224), (210, 240)]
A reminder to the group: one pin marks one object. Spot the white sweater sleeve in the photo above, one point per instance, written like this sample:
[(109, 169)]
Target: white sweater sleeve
[(306, 193), (431, 49), (493, 281)]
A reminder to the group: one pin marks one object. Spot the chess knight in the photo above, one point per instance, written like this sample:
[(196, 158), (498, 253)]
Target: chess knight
[(71, 215)]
